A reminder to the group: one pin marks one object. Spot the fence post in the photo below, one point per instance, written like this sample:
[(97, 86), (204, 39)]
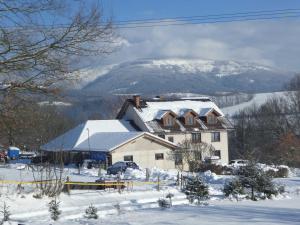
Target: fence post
[(147, 174), (118, 184), (181, 181), (68, 185)]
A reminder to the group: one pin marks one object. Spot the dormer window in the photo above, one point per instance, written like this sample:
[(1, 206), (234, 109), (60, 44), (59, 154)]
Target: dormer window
[(190, 120), (188, 116), (211, 119), (169, 121), (166, 117)]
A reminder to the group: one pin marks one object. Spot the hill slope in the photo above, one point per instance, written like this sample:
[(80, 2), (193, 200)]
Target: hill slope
[(150, 77)]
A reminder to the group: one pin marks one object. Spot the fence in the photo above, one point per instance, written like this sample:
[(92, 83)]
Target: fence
[(120, 185)]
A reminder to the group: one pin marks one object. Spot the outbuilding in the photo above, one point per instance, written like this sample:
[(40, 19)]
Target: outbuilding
[(125, 144)]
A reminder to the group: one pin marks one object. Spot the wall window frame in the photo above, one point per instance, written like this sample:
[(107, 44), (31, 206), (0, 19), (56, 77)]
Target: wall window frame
[(128, 158), (196, 137), (159, 156), (215, 136)]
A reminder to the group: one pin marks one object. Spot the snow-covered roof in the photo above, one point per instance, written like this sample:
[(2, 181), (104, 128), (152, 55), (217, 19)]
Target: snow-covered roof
[(160, 114), (105, 142), (80, 133), (108, 141), (150, 112)]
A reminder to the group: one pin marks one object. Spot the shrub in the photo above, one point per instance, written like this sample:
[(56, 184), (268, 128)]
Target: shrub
[(196, 189), (170, 196), (254, 182), (91, 212), (54, 210), (217, 169), (164, 203), (234, 188), (282, 172), (5, 213)]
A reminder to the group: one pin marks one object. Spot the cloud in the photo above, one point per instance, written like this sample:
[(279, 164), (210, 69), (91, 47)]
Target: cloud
[(273, 43)]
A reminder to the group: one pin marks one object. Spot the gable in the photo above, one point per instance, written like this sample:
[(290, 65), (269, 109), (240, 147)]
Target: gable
[(144, 143)]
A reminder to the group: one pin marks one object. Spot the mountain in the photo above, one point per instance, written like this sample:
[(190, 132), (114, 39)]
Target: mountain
[(163, 76)]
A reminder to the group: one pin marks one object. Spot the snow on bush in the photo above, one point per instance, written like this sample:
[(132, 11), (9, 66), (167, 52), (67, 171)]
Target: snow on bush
[(54, 209), (196, 190), (164, 203), (91, 212), (5, 213), (254, 182), (140, 174)]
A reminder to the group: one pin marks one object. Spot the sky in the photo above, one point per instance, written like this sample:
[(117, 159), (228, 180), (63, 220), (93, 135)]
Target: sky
[(273, 43)]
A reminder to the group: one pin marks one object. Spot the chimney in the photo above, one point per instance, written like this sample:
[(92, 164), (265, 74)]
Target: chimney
[(137, 100)]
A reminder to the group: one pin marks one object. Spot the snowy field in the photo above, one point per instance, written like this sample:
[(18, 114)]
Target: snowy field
[(140, 205), (258, 100)]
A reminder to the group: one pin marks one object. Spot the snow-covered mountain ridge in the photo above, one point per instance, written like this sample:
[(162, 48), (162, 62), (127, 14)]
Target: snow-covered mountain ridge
[(161, 76)]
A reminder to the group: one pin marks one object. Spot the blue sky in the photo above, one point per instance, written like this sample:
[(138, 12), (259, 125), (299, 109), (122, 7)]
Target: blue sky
[(273, 43), (141, 9)]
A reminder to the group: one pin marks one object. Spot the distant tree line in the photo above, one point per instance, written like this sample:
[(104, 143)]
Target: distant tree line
[(270, 133)]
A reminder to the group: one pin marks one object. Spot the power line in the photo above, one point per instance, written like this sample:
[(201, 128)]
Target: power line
[(209, 22), (200, 19), (212, 16)]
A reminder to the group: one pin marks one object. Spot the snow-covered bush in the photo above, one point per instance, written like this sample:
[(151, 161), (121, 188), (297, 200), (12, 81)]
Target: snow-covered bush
[(91, 212), (118, 208), (196, 190), (164, 203), (170, 196), (54, 209), (256, 182), (5, 213), (233, 188)]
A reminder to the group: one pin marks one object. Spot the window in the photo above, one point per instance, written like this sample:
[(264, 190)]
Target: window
[(162, 136), (159, 156), (128, 158), (171, 139), (217, 153), (169, 121), (196, 137), (211, 119), (215, 136), (190, 120)]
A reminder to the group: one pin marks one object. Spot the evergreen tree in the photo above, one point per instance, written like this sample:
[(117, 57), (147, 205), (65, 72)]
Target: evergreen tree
[(234, 188), (252, 181), (54, 209), (5, 212), (196, 189)]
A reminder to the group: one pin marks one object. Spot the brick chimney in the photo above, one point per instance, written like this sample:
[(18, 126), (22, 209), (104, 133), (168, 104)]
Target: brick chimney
[(137, 101)]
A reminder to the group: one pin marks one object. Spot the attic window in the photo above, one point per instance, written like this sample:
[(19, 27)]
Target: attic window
[(211, 119), (169, 121), (189, 120)]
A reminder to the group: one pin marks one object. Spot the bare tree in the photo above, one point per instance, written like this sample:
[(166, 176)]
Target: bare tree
[(192, 154), (42, 44), (36, 51)]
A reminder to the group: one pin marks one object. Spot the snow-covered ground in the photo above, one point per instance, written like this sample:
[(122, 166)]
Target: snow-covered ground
[(258, 100), (140, 205)]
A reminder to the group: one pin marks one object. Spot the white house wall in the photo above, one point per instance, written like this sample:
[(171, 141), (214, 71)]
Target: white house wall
[(143, 151), (206, 137)]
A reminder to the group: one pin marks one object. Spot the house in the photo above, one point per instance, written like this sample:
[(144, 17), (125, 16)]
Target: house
[(176, 120), (114, 140)]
